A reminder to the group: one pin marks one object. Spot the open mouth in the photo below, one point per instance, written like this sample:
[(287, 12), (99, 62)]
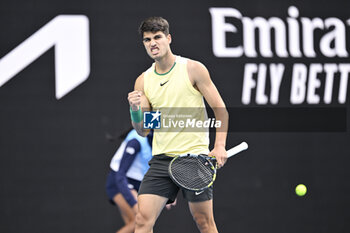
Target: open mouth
[(154, 50)]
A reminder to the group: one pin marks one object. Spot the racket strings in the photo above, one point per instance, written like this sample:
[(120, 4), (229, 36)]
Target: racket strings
[(193, 173)]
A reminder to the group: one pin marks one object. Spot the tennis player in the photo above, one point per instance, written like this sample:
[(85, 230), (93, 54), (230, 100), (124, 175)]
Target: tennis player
[(128, 166), (174, 82)]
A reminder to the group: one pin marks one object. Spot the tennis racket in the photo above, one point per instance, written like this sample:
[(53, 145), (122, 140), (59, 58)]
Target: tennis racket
[(197, 172)]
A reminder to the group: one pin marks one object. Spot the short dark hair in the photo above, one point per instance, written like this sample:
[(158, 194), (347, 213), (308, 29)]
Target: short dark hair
[(154, 24)]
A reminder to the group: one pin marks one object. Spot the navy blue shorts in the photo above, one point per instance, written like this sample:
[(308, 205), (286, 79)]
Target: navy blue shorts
[(112, 188)]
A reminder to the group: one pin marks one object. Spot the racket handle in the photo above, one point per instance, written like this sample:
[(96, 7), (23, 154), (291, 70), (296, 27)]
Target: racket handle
[(235, 150)]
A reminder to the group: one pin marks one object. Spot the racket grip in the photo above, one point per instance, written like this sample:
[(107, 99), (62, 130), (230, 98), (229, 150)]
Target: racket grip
[(235, 150)]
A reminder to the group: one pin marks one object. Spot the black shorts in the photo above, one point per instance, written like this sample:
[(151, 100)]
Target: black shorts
[(157, 181)]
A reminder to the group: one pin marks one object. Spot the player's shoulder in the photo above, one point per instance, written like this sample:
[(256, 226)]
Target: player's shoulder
[(195, 67), (149, 70), (139, 82), (146, 73), (141, 76), (195, 64)]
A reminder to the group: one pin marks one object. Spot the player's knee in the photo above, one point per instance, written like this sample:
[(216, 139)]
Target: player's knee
[(143, 220), (203, 221), (139, 220)]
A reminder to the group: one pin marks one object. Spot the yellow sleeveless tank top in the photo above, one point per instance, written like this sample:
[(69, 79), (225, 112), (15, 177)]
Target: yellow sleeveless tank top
[(173, 94)]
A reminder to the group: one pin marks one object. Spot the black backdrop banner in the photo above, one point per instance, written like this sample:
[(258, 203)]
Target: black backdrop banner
[(282, 68)]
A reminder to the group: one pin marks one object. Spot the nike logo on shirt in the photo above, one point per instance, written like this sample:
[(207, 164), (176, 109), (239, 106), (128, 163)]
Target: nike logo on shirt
[(162, 84)]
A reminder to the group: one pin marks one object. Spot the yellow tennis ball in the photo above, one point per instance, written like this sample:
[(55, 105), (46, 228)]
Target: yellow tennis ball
[(300, 190)]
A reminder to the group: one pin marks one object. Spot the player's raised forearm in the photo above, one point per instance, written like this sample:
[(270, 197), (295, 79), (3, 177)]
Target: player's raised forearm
[(137, 101)]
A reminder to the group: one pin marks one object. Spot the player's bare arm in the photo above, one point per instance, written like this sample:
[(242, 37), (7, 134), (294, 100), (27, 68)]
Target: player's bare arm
[(200, 79), (139, 102)]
